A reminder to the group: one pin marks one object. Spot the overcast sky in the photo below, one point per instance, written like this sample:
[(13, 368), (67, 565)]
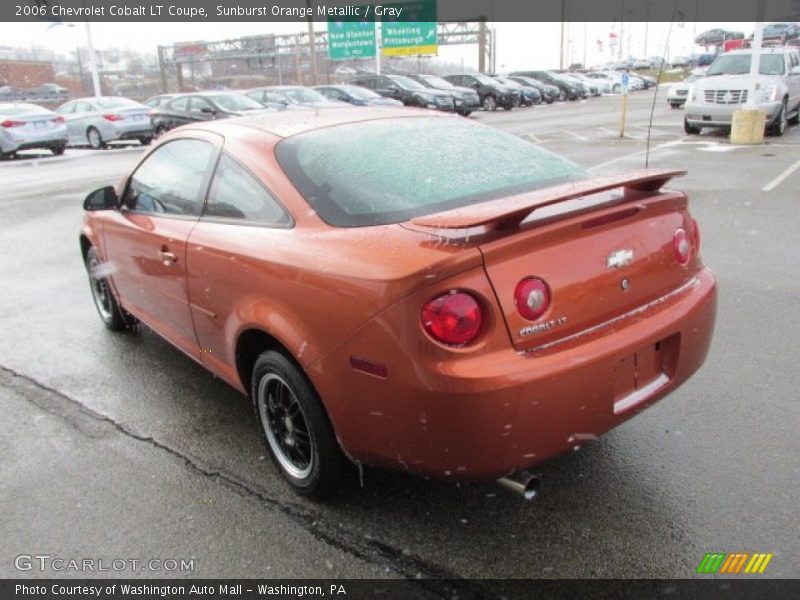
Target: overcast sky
[(519, 45)]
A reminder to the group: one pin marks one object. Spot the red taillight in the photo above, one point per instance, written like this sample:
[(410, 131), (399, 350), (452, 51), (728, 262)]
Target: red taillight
[(682, 246), (453, 319), (532, 298), (58, 120), (10, 123), (113, 117)]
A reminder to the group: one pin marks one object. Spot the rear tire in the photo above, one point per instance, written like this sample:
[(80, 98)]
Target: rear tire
[(109, 310), (145, 141), (59, 149), (95, 139), (295, 427)]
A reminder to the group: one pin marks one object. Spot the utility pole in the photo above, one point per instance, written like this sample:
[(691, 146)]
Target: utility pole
[(482, 46), (312, 43), (646, 28), (92, 61), (563, 18), (377, 46), (584, 44)]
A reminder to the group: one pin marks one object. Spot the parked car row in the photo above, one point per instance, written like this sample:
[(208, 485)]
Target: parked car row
[(95, 122)]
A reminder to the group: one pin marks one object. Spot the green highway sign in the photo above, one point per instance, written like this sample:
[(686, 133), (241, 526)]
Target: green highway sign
[(416, 34), (351, 39)]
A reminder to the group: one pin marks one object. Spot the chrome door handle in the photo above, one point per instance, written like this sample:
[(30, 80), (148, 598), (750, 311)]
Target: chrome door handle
[(168, 257)]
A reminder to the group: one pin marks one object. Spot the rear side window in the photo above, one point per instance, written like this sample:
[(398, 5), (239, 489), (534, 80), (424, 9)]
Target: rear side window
[(179, 104), (169, 181), (392, 170), (236, 194)]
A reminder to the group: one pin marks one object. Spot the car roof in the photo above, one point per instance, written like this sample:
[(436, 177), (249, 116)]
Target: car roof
[(213, 93), (288, 123)]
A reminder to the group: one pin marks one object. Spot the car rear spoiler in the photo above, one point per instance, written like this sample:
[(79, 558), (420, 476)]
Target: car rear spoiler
[(509, 212)]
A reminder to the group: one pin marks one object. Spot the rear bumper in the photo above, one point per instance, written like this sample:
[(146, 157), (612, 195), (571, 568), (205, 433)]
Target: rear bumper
[(134, 132), (56, 136), (483, 416)]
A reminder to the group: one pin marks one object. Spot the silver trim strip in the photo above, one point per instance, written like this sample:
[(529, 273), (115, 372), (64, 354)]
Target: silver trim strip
[(637, 396), (694, 281)]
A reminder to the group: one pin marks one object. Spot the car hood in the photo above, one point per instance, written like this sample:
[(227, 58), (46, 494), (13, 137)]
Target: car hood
[(726, 82)]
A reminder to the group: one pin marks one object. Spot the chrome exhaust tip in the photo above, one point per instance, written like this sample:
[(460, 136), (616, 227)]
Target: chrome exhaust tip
[(523, 483)]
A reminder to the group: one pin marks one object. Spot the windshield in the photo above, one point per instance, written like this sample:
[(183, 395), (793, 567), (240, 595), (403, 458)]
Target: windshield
[(236, 102), (360, 92), (739, 64), (302, 95), (115, 102), (394, 169), (407, 82), (777, 28), (485, 79), (437, 82)]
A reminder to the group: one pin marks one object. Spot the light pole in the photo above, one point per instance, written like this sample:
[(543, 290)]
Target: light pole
[(92, 61)]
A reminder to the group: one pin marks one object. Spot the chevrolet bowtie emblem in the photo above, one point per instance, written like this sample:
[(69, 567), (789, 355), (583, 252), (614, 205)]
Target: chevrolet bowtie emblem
[(620, 258)]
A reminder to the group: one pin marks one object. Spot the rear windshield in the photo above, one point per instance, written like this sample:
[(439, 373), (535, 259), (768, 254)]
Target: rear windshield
[(739, 64), (18, 109), (115, 102), (392, 170)]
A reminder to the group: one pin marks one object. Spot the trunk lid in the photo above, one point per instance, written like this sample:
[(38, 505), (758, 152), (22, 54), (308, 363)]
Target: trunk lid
[(604, 247)]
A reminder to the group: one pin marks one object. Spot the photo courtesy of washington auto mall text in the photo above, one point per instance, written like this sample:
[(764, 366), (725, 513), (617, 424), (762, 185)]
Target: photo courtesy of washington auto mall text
[(399, 299)]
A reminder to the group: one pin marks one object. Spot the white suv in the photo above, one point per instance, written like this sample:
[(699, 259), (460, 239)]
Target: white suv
[(725, 88)]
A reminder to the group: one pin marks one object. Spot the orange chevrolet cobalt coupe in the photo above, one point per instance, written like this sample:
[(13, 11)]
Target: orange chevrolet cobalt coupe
[(403, 289)]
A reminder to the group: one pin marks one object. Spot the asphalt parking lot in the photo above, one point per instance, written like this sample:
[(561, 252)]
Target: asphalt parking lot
[(119, 446)]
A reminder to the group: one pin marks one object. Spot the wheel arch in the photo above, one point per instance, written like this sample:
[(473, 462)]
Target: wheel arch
[(250, 344)]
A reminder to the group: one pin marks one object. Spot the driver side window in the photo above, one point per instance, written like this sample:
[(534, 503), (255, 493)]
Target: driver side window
[(171, 179)]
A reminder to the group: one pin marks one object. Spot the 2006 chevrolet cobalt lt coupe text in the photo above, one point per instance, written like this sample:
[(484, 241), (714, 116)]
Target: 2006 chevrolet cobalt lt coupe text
[(405, 289)]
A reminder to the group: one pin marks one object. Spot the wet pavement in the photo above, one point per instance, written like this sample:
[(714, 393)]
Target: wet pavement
[(119, 446)]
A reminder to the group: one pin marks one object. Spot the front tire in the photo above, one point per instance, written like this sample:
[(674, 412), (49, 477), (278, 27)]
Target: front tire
[(562, 95), (780, 124), (690, 129), (107, 307), (145, 141), (489, 103), (295, 427)]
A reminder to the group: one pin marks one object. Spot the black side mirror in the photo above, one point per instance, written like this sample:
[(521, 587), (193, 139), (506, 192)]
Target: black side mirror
[(103, 199), (208, 110)]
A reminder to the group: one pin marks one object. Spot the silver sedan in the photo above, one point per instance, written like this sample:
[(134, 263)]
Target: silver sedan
[(24, 126), (97, 121)]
